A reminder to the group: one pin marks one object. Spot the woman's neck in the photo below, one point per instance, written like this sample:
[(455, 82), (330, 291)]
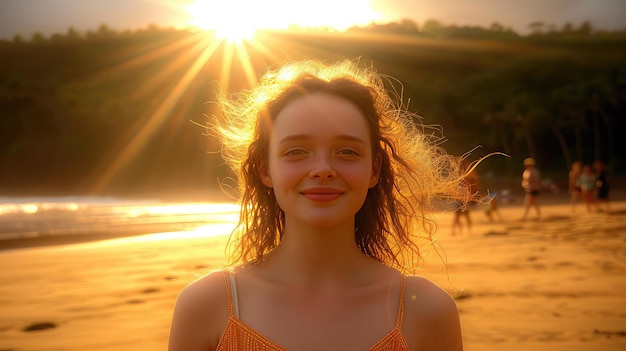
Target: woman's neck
[(318, 253)]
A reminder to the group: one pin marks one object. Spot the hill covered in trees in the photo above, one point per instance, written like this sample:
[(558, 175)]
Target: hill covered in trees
[(121, 113)]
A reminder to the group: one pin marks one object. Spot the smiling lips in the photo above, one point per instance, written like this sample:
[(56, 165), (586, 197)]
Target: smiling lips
[(322, 194)]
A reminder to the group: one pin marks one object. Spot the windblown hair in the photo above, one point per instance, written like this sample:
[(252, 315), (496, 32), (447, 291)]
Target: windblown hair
[(414, 169)]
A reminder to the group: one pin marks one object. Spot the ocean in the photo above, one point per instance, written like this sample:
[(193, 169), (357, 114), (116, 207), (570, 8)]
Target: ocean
[(28, 220)]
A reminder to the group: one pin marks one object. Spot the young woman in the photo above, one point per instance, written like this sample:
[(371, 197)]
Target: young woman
[(336, 185)]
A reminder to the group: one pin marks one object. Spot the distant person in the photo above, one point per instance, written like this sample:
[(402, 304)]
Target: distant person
[(491, 209), (531, 182), (336, 187), (463, 209), (462, 214), (602, 185), (574, 188), (587, 183)]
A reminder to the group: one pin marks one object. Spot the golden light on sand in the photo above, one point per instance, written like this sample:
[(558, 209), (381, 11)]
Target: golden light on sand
[(224, 211), (29, 208), (205, 231)]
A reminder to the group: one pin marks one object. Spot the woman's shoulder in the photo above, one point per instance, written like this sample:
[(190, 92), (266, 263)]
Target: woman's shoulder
[(205, 290), (201, 313), (431, 317), (429, 297)]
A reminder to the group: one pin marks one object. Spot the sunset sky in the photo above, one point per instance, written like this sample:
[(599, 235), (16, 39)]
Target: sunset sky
[(55, 16)]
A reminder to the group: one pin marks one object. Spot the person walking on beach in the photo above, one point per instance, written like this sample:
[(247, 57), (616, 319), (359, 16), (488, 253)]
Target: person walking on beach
[(573, 186), (463, 210), (587, 183), (531, 182), (335, 180), (602, 186)]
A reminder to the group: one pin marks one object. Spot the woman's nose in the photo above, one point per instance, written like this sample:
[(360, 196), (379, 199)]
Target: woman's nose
[(322, 168)]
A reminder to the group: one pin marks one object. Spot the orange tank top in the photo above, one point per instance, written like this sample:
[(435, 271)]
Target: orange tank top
[(239, 336)]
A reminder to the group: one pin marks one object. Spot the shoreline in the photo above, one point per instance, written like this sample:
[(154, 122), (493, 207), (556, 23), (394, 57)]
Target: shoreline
[(55, 237)]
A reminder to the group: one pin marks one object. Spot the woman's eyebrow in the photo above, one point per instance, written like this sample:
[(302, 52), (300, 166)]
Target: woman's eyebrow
[(341, 137), (351, 138)]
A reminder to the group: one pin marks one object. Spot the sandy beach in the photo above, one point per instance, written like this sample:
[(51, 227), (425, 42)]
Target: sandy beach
[(557, 284)]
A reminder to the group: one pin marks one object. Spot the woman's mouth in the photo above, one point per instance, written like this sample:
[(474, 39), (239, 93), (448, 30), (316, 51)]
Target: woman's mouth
[(322, 194)]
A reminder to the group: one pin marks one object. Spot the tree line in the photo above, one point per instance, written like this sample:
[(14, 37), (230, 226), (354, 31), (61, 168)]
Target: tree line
[(111, 112)]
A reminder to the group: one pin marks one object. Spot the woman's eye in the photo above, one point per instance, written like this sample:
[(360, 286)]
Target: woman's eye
[(348, 152), (295, 152)]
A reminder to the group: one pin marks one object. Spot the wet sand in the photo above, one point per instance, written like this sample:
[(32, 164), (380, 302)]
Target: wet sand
[(554, 284)]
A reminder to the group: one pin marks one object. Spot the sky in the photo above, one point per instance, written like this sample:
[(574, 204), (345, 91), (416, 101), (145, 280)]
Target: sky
[(26, 17)]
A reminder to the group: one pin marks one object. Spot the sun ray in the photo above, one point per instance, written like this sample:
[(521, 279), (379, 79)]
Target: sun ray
[(172, 68), (261, 47), (152, 54), (248, 70), (227, 61), (137, 143)]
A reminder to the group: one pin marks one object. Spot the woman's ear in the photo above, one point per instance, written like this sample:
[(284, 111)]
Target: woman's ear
[(376, 166), (264, 175)]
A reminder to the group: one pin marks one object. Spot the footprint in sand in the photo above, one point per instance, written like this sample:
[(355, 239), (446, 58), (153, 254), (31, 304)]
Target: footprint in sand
[(495, 233), (135, 301), (150, 290), (39, 326), (610, 333)]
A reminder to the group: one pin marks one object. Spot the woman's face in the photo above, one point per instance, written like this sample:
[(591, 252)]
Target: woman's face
[(320, 162)]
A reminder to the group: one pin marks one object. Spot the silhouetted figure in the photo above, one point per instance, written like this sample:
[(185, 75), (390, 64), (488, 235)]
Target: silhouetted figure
[(491, 210), (531, 182), (463, 209), (587, 183), (602, 185), (574, 189)]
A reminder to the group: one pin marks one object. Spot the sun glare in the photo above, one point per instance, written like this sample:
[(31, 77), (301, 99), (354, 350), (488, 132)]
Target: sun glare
[(225, 18), (237, 20)]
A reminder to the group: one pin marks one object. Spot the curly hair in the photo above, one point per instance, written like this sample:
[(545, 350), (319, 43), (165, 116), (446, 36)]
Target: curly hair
[(414, 169)]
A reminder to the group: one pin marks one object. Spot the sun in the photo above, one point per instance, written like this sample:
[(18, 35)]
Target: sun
[(238, 20), (230, 20)]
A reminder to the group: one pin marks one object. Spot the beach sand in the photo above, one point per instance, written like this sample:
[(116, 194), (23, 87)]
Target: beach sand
[(554, 284)]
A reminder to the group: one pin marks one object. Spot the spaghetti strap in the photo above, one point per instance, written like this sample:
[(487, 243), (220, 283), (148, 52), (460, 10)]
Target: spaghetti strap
[(233, 296), (401, 306), (229, 301)]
